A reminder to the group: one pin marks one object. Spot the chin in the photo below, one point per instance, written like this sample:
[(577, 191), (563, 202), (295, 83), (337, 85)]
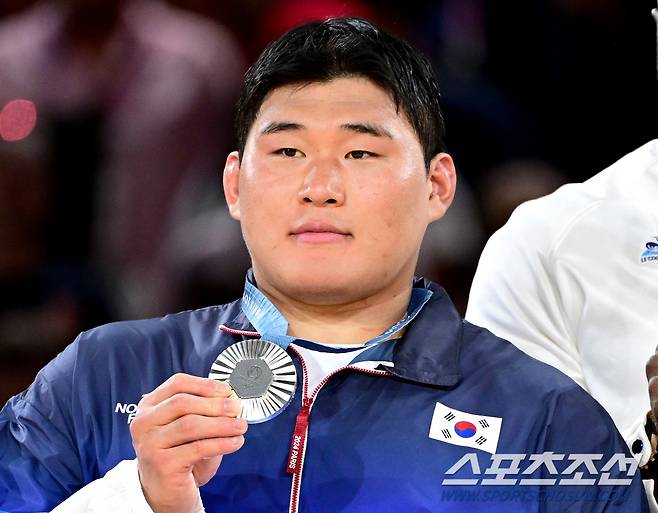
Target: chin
[(321, 286)]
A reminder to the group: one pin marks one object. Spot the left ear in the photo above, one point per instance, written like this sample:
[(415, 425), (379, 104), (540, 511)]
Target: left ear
[(231, 181), (441, 184)]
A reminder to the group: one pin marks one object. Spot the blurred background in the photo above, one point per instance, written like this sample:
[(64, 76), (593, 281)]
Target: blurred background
[(115, 119)]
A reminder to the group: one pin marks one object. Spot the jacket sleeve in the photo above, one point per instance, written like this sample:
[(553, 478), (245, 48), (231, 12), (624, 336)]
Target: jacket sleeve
[(39, 461), (598, 474)]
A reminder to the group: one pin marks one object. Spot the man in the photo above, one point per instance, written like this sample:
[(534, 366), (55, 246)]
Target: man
[(572, 279), (366, 392)]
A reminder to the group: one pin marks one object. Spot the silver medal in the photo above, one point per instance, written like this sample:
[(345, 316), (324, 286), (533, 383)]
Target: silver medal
[(262, 375)]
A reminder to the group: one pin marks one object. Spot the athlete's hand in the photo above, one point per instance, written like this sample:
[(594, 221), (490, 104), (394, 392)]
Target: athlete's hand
[(652, 377), (180, 433)]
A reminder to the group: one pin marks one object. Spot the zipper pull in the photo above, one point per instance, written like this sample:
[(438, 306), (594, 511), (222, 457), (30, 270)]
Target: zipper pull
[(299, 438)]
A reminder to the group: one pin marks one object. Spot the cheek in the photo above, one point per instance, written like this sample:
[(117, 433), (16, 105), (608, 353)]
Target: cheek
[(395, 206), (262, 205), (264, 189), (392, 225)]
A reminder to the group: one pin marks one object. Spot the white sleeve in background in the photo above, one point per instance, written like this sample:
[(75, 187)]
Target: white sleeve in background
[(119, 491), (571, 299), (564, 281), (515, 293)]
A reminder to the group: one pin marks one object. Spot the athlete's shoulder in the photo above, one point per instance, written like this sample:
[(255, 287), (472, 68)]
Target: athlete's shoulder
[(522, 389), (170, 330), (506, 367)]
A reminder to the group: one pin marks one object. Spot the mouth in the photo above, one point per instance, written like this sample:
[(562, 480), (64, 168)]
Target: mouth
[(319, 233)]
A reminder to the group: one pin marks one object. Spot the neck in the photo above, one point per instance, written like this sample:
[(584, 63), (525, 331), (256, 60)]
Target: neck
[(353, 322)]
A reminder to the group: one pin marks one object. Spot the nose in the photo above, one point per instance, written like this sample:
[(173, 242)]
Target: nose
[(323, 184)]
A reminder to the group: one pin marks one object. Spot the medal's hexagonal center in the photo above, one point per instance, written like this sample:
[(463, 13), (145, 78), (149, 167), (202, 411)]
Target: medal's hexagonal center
[(251, 378)]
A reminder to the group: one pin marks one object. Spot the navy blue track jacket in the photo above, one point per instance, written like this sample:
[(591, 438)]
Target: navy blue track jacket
[(367, 446)]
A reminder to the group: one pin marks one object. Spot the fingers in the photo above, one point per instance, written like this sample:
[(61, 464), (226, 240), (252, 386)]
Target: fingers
[(652, 368), (195, 427), (181, 416), (198, 450), (653, 394), (186, 384), (165, 464), (205, 469), (652, 377), (180, 433), (180, 405), (652, 365)]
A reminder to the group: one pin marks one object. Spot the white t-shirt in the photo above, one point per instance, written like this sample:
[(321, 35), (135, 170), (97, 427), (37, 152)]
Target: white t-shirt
[(119, 491), (570, 281), (319, 364)]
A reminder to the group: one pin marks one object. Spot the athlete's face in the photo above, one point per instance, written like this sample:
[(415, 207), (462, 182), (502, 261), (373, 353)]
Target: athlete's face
[(332, 192)]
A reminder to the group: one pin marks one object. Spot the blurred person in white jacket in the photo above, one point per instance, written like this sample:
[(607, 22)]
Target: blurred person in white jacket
[(572, 280)]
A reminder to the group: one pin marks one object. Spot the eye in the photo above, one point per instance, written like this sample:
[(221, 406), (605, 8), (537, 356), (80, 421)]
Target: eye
[(289, 152), (359, 154)]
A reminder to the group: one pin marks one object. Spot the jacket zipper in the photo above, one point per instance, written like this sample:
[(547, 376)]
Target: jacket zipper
[(239, 332), (299, 437), (298, 444)]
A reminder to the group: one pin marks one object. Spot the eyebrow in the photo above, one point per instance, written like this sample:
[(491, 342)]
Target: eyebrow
[(280, 126), (367, 128), (359, 128)]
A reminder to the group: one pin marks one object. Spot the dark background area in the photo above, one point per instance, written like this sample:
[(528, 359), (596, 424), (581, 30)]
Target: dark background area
[(111, 208)]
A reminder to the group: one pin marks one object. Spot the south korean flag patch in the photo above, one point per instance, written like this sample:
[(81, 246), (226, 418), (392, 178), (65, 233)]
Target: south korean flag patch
[(460, 428)]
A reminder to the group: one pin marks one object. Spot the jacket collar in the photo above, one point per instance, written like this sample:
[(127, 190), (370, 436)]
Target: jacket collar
[(428, 352)]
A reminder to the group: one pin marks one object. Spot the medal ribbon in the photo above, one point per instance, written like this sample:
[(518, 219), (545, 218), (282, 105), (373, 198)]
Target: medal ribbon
[(273, 326)]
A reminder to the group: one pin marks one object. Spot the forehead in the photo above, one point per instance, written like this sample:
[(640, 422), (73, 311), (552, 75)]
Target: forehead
[(330, 104)]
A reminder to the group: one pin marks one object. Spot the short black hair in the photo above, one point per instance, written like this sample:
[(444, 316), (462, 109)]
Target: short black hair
[(337, 47)]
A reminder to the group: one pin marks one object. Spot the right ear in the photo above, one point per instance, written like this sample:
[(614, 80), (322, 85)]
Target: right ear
[(231, 182)]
